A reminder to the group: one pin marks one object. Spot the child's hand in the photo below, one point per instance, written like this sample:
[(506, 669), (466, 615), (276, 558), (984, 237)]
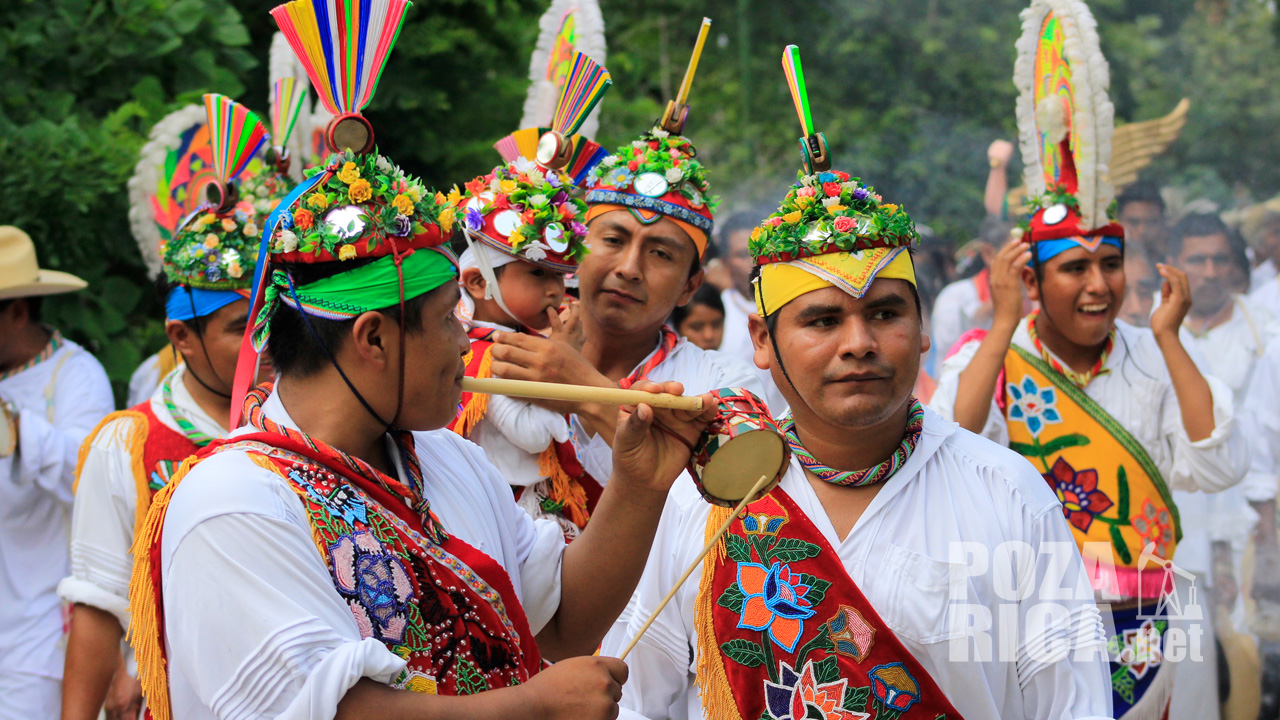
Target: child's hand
[(566, 326)]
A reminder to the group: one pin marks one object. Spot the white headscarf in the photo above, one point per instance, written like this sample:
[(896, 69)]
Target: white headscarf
[(485, 259)]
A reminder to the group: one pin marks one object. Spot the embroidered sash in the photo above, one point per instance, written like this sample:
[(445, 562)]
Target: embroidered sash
[(447, 608), (1111, 491), (785, 634), (571, 493)]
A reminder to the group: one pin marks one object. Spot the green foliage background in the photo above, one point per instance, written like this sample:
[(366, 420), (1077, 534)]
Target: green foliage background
[(909, 92)]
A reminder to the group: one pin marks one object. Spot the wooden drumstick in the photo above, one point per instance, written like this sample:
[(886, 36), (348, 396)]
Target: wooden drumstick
[(764, 480), (579, 393)]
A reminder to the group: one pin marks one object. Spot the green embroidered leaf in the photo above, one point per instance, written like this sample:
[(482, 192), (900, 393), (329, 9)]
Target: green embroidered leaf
[(855, 698), (737, 549), (1117, 542), (732, 598), (884, 712), (470, 679), (744, 652), (1026, 449), (762, 544), (1122, 507), (793, 549), (817, 588), (1058, 444), (826, 670), (765, 715)]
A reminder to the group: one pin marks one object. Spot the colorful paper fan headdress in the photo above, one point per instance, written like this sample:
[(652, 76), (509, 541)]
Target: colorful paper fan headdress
[(831, 228), (168, 183), (526, 209), (1065, 126), (358, 204), (288, 101), (657, 175), (567, 80), (216, 247)]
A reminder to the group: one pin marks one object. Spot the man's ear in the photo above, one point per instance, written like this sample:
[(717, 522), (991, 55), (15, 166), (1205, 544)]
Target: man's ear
[(473, 283), (691, 286), (182, 338), (1032, 284), (371, 334), (759, 332)]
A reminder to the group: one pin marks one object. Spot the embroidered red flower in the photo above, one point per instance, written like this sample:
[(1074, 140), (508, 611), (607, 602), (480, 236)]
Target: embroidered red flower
[(1078, 492), (1155, 525)]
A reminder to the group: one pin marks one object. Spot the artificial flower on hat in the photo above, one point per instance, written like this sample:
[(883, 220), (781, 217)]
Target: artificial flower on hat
[(657, 174), (831, 229), (525, 211), (216, 247), (353, 205)]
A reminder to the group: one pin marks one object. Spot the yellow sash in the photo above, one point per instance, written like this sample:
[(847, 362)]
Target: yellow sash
[(1111, 491)]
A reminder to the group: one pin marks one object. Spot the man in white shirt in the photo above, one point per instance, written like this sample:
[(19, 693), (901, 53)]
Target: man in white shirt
[(1262, 229), (133, 453), (966, 304), (645, 259), (846, 590), (52, 392)]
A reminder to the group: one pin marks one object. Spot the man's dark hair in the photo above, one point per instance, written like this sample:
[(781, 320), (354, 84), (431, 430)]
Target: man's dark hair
[(300, 346), (705, 295), (994, 231), (1195, 225), (739, 221), (1141, 191)]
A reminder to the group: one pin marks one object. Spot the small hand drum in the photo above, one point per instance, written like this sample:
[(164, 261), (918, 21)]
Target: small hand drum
[(739, 446)]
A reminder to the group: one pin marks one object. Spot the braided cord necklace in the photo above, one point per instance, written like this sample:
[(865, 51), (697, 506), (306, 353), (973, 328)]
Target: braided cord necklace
[(858, 478), (188, 428)]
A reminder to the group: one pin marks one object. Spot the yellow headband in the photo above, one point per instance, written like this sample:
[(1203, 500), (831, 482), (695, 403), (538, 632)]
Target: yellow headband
[(780, 283)]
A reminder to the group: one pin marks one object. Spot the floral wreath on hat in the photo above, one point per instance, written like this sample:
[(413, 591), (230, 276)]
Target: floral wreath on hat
[(657, 164), (525, 211), (827, 212), (355, 202), (214, 251)]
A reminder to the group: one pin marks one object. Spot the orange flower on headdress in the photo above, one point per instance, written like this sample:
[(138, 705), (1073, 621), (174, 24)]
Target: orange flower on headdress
[(303, 219)]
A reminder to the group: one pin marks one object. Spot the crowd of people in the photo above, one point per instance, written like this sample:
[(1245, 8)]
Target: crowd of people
[(1030, 475)]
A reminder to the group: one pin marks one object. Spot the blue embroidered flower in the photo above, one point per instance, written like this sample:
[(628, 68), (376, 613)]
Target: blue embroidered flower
[(342, 501), (375, 584), (1033, 405), (774, 602)]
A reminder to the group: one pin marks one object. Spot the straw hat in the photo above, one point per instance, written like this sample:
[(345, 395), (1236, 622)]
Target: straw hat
[(21, 276)]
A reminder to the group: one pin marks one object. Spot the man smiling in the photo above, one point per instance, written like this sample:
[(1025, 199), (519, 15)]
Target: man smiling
[(1112, 416)]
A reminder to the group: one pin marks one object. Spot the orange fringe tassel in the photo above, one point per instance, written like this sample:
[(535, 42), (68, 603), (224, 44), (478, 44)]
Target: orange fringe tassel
[(144, 625), (137, 446), (712, 682), (475, 410), (564, 489)]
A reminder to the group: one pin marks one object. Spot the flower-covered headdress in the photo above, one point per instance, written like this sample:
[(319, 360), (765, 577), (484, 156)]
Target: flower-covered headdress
[(1065, 126), (567, 63), (831, 228), (358, 204), (526, 209), (213, 252), (657, 175)]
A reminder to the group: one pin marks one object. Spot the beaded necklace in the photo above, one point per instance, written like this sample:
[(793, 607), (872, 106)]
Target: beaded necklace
[(188, 428), (55, 342), (858, 478), (1079, 379)]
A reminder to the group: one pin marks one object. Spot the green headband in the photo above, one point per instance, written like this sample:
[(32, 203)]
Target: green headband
[(348, 294)]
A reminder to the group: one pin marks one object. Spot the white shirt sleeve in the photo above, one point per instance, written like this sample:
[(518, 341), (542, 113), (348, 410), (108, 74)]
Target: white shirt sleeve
[(944, 397), (947, 323), (102, 523), (1261, 403), (278, 642), (1061, 661), (529, 427), (48, 451), (1214, 463)]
